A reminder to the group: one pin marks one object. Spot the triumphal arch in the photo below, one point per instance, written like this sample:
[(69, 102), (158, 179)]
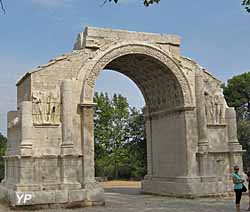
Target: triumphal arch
[(190, 131)]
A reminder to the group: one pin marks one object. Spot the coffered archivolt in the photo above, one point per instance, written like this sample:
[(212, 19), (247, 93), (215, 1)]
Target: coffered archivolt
[(149, 67)]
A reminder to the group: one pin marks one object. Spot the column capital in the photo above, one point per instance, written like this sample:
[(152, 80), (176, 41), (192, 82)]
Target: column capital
[(203, 147)]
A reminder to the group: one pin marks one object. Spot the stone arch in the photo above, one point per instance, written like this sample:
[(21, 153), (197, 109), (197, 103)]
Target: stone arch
[(168, 100), (90, 72), (189, 152)]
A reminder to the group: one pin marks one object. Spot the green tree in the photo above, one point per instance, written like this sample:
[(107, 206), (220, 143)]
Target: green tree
[(145, 2), (118, 139), (246, 4), (111, 128), (137, 144), (119, 125), (102, 132), (244, 139), (237, 94), (2, 6), (3, 146)]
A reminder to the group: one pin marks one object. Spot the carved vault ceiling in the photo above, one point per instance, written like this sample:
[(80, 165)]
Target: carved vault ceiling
[(156, 82)]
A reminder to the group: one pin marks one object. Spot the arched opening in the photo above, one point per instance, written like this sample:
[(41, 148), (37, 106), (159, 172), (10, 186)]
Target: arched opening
[(112, 82), (119, 133), (164, 117)]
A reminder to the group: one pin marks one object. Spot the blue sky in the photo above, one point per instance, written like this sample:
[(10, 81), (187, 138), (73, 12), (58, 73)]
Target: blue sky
[(215, 33)]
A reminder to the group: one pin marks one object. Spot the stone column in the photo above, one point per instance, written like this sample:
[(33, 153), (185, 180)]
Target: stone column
[(67, 118), (88, 143), (26, 128), (148, 133), (69, 159), (201, 123), (235, 149), (230, 117), (94, 191)]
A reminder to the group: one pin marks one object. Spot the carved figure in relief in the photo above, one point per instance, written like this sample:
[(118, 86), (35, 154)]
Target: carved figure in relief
[(214, 108), (219, 108), (37, 99), (209, 107), (52, 107), (46, 107)]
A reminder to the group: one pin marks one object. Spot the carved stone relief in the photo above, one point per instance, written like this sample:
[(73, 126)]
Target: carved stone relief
[(214, 108), (46, 107), (158, 85)]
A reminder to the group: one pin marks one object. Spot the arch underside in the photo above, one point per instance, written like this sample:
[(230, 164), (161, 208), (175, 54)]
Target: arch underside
[(158, 85)]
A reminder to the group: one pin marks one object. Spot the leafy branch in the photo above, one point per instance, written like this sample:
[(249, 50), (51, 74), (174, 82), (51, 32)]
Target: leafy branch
[(145, 2), (246, 3), (2, 7)]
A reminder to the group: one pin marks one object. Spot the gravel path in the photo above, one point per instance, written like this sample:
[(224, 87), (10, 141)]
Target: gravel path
[(130, 200)]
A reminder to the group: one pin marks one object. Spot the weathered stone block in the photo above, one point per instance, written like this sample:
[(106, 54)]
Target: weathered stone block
[(61, 196), (77, 195)]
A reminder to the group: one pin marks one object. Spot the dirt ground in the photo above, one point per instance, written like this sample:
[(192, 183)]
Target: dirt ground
[(121, 184)]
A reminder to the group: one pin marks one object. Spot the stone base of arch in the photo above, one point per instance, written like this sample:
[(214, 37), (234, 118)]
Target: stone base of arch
[(51, 199), (21, 190), (212, 180), (187, 187)]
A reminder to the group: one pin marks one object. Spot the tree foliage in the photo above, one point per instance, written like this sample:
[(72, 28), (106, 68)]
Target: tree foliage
[(145, 2), (237, 94), (246, 4), (244, 139), (119, 138), (3, 145), (2, 6)]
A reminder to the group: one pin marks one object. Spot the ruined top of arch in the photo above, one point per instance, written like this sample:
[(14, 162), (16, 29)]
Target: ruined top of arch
[(95, 38)]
